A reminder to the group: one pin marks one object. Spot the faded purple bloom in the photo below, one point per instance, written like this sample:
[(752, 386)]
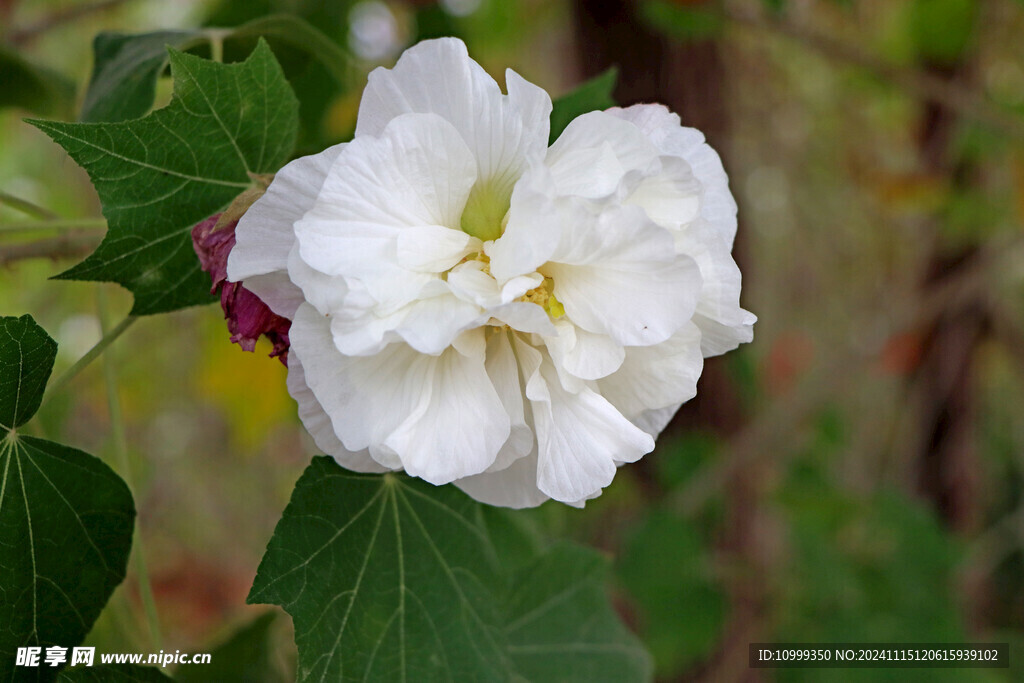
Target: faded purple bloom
[(248, 317)]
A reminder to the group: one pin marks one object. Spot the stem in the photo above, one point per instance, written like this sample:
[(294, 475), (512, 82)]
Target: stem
[(59, 17), (27, 207), (90, 356), (216, 37), (124, 462), (68, 245), (53, 224)]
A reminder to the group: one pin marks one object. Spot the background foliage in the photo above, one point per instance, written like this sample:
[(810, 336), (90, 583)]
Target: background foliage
[(855, 474)]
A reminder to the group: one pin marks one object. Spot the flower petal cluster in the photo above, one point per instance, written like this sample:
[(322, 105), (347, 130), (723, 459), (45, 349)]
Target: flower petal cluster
[(474, 307), (248, 317)]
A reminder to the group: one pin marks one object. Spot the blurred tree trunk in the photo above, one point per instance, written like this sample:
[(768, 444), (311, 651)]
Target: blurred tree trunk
[(690, 79), (948, 471)]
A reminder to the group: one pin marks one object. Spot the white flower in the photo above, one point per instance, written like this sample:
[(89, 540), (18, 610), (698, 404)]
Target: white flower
[(471, 306)]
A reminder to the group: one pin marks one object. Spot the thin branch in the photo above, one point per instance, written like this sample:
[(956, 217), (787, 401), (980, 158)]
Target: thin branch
[(90, 355), (61, 16), (71, 245), (52, 224), (26, 207), (216, 37), (965, 101)]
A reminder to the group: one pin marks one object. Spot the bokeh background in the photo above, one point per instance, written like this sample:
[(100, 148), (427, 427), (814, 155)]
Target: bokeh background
[(855, 474)]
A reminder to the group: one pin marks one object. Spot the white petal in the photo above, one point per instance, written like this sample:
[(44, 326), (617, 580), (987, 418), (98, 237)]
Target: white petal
[(524, 317), (503, 369), (533, 228), (664, 130), (327, 293), (277, 291), (590, 172), (438, 417), (318, 424), (367, 397), (654, 421), (365, 334), (591, 159), (418, 173), (431, 325), (513, 487), (458, 424), (725, 325), (620, 276), (438, 77), (470, 282), (532, 104), (580, 436), (584, 354), (658, 376), (671, 197), (428, 325), (264, 235), (718, 338), (434, 248), (594, 153)]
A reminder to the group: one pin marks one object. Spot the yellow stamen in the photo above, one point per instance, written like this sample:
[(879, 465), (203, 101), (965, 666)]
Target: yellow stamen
[(544, 296)]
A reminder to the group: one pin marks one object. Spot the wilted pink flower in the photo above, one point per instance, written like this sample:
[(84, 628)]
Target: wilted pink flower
[(248, 317)]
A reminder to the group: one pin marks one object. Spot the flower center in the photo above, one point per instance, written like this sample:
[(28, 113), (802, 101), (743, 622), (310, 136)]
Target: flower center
[(544, 296), (486, 209)]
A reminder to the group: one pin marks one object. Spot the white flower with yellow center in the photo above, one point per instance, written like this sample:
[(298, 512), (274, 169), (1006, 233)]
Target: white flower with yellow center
[(471, 306)]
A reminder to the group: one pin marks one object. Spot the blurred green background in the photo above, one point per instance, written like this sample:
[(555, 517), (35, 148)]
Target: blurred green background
[(855, 474)]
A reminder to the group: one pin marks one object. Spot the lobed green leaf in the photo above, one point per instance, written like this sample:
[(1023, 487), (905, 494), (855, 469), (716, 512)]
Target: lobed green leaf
[(124, 73), (160, 175), (388, 578), (127, 66), (561, 627), (65, 518)]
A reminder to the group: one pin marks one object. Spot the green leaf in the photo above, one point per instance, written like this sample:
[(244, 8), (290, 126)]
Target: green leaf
[(160, 175), (590, 96), (112, 673), (941, 30), (26, 359), (859, 568), (390, 578), (561, 627), (124, 73), (65, 518), (374, 595), (667, 569), (127, 66), (681, 22), (245, 657), (32, 87), (289, 30)]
